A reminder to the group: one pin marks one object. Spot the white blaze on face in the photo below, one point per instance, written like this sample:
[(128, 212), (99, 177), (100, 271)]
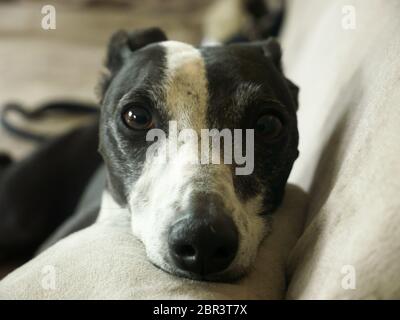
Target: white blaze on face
[(186, 87), (161, 194)]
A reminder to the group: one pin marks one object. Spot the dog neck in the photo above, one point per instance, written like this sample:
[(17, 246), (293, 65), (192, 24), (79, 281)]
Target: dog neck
[(112, 213)]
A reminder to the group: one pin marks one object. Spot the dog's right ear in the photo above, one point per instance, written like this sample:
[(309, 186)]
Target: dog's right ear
[(121, 46), (123, 43)]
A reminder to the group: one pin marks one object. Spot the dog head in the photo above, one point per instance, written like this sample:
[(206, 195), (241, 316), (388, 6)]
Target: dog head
[(197, 219)]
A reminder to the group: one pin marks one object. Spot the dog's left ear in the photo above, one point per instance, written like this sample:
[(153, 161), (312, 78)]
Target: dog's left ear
[(272, 50), (121, 45)]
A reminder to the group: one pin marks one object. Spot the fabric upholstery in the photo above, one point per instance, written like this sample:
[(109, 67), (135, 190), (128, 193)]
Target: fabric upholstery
[(349, 151), (105, 261)]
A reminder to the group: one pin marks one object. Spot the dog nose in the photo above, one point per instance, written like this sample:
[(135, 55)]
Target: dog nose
[(203, 245)]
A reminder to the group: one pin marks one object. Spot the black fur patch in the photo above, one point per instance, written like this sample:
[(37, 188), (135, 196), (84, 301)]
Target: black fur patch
[(137, 81), (230, 67)]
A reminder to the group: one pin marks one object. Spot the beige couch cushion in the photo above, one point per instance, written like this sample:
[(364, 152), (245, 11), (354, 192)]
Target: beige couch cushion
[(349, 122), (105, 261)]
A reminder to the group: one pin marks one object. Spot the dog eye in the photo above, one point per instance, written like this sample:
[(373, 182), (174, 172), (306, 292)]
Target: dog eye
[(138, 118), (269, 126)]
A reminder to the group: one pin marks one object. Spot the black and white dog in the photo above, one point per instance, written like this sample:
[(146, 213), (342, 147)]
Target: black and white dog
[(200, 221)]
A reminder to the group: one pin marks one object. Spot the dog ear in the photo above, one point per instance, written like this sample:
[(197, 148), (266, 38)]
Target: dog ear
[(121, 46), (294, 90), (272, 49), (123, 43)]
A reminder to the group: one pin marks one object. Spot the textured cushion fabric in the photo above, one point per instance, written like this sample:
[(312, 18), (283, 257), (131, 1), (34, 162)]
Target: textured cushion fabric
[(349, 121), (105, 261)]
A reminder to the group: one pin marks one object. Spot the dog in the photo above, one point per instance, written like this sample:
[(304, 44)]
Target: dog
[(199, 221)]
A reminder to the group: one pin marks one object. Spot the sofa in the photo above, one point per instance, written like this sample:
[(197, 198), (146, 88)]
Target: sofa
[(337, 234)]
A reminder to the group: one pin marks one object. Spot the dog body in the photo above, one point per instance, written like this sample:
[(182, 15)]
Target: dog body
[(40, 192), (195, 220)]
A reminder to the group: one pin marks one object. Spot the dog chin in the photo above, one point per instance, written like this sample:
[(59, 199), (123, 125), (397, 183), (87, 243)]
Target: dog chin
[(228, 276)]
